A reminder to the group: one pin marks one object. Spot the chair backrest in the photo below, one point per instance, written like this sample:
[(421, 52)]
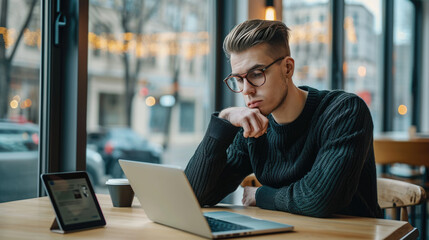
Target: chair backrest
[(394, 193)]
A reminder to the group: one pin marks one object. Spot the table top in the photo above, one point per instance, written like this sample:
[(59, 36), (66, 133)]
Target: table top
[(399, 147), (32, 218)]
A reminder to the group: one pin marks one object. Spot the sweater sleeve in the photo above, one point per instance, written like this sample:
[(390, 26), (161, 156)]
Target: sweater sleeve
[(345, 137), (219, 164)]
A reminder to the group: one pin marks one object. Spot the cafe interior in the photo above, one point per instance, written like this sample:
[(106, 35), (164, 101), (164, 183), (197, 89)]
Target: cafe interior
[(84, 83)]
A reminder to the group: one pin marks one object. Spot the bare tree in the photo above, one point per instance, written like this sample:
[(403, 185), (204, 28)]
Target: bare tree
[(134, 15), (176, 27), (5, 59)]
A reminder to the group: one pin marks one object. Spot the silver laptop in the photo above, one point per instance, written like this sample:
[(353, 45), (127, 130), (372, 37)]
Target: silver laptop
[(167, 198)]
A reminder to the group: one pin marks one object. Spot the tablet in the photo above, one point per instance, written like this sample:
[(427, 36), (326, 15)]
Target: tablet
[(74, 201)]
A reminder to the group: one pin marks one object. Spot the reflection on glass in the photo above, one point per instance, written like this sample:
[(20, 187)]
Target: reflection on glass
[(19, 98), (363, 52), (147, 73), (402, 63), (309, 40)]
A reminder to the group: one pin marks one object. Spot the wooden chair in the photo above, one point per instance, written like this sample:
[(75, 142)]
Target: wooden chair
[(398, 194), (412, 151), (391, 193), (250, 181)]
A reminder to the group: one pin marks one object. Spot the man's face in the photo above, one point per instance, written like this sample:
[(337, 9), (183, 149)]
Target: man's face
[(272, 95)]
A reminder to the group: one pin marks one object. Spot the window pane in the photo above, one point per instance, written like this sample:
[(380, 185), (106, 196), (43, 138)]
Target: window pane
[(402, 63), (187, 117), (19, 99), (309, 40), (363, 54), (148, 77)]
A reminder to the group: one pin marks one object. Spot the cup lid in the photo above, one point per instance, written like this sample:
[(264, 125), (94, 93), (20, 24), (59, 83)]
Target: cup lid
[(118, 181)]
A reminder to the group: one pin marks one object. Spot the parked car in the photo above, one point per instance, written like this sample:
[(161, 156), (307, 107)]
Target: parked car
[(123, 143), (19, 161), (95, 168)]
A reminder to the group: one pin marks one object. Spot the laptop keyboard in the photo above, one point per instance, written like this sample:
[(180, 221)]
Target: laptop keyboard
[(217, 225)]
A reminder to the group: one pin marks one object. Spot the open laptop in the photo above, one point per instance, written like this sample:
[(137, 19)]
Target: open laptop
[(167, 198)]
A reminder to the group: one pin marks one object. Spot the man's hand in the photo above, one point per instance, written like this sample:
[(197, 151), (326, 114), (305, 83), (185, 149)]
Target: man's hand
[(253, 122), (249, 196)]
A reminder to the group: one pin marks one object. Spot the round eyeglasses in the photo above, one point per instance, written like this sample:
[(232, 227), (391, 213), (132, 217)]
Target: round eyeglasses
[(255, 77)]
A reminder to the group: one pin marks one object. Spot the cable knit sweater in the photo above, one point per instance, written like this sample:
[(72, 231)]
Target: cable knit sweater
[(320, 164)]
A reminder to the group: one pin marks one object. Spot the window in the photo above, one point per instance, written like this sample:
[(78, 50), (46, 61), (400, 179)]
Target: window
[(402, 63), (362, 58), (155, 75), (312, 67), (187, 117), (111, 111), (158, 118), (19, 99)]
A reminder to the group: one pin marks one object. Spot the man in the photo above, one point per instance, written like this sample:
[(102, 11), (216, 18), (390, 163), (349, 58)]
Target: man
[(311, 150)]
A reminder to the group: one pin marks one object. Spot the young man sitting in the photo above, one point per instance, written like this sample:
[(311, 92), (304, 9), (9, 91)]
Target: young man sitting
[(311, 150)]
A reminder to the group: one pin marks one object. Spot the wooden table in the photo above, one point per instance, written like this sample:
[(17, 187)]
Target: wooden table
[(31, 219), (394, 147)]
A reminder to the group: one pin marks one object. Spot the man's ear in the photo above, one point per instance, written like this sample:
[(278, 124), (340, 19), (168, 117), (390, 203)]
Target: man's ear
[(290, 66)]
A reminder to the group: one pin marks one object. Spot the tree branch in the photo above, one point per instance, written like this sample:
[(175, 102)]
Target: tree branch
[(21, 32), (151, 11)]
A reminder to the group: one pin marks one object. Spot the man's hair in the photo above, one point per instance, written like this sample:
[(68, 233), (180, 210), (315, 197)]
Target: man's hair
[(253, 32)]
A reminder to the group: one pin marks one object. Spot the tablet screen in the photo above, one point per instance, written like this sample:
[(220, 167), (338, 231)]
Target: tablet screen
[(74, 200)]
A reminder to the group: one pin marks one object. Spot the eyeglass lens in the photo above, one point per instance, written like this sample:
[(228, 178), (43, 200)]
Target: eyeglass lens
[(255, 77)]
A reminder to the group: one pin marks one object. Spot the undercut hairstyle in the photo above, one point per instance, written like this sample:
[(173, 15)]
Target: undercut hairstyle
[(253, 32)]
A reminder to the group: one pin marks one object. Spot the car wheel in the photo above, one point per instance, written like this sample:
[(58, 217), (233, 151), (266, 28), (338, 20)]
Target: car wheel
[(117, 171)]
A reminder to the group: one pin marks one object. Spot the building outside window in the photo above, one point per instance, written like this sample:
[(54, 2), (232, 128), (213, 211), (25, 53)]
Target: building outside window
[(309, 41), (362, 54), (187, 117), (20, 58)]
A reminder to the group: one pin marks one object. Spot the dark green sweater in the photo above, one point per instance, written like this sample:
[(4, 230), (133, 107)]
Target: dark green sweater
[(321, 163)]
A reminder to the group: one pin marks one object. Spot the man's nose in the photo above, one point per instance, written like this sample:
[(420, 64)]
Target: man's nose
[(247, 87)]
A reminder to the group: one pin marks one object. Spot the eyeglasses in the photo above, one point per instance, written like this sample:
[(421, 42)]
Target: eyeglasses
[(256, 78)]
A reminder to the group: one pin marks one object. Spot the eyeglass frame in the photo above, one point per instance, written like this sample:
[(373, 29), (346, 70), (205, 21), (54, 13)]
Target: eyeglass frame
[(244, 75)]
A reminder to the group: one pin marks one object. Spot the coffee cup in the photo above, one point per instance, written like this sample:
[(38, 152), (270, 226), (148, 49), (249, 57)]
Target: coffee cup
[(121, 193)]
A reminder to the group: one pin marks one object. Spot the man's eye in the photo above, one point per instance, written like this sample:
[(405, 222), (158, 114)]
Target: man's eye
[(239, 80), (255, 74)]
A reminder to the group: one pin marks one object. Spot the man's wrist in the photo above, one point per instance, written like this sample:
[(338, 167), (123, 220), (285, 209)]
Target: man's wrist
[(265, 197), (221, 129)]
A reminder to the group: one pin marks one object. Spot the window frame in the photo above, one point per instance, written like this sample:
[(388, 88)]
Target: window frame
[(63, 88)]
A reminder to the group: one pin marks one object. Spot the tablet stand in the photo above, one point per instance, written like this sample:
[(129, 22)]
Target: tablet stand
[(56, 228)]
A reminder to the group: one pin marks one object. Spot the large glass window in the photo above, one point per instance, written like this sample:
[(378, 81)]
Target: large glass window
[(402, 63), (147, 77), (363, 54), (20, 44), (309, 40)]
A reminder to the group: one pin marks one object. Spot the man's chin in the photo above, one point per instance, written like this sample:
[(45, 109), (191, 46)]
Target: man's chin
[(263, 112)]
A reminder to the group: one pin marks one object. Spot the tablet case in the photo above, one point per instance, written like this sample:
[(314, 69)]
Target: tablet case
[(55, 226)]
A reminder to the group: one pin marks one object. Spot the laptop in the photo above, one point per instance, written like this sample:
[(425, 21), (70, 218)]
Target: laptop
[(167, 198)]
